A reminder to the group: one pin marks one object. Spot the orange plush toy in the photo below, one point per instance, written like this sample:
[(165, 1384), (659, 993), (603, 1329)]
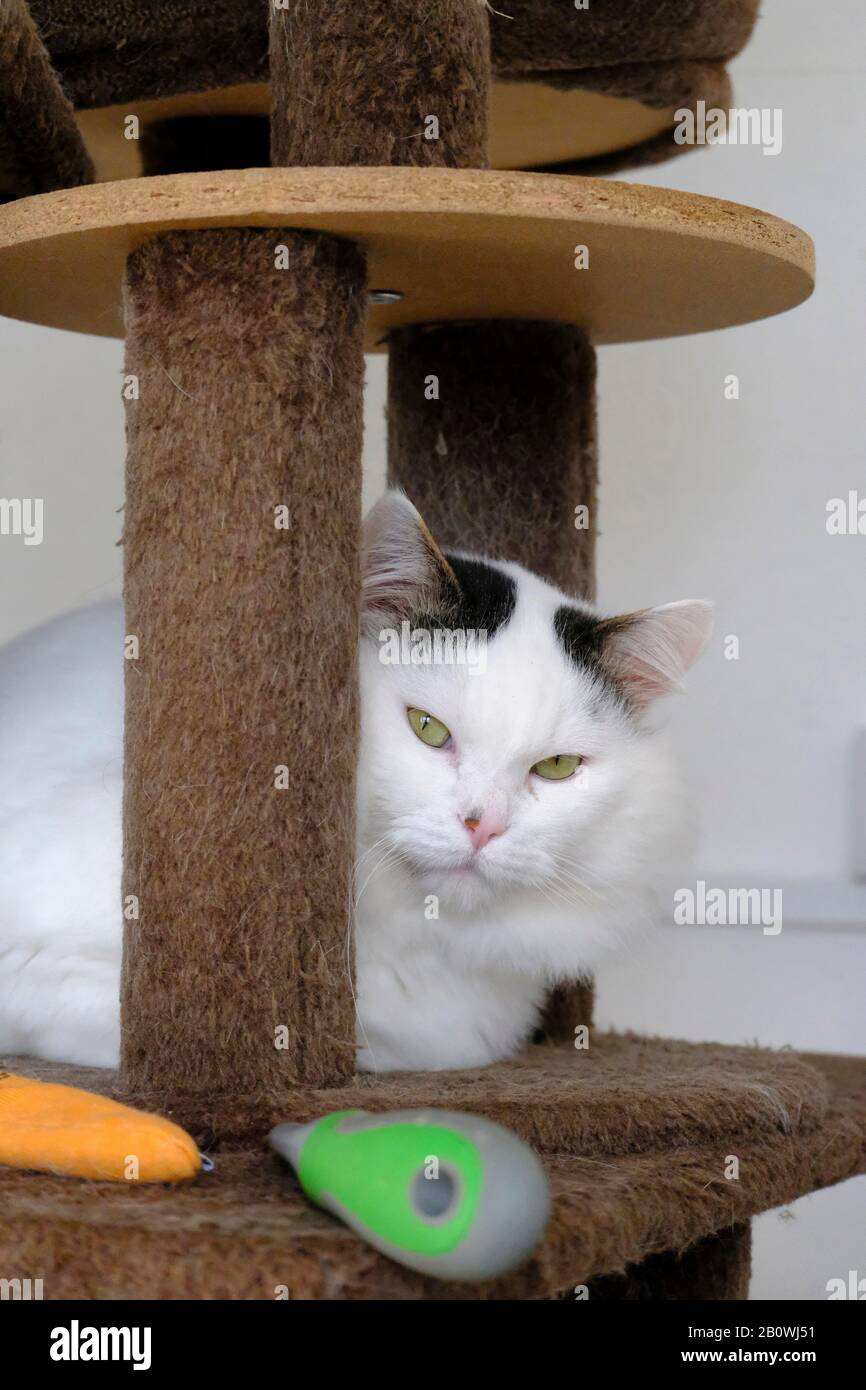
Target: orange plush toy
[(60, 1129)]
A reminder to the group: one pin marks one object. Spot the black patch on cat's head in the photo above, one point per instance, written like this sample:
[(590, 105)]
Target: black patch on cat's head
[(483, 598), (582, 637), (487, 595), (577, 634)]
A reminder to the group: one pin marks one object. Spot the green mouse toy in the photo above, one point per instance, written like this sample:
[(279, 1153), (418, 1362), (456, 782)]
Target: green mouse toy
[(442, 1192)]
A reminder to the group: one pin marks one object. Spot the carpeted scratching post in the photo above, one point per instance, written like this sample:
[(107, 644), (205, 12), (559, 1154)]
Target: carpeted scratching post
[(492, 433), (40, 145), (239, 825), (386, 82), (246, 305), (242, 514)]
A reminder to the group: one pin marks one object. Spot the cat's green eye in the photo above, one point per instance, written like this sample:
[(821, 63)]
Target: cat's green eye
[(557, 768), (428, 728)]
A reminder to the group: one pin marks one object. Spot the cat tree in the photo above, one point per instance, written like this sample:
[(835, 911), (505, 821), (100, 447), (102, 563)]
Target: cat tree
[(247, 296)]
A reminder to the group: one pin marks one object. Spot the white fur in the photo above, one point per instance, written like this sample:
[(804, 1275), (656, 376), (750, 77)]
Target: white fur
[(576, 870), (572, 873), (60, 788)]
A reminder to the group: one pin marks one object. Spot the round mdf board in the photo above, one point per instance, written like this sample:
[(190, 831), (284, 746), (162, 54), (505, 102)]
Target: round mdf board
[(456, 244), (531, 124)]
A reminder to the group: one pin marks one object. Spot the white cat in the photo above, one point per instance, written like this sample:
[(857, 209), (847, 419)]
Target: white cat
[(514, 807)]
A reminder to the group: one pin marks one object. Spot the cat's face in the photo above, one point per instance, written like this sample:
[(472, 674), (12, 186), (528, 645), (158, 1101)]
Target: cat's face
[(515, 761)]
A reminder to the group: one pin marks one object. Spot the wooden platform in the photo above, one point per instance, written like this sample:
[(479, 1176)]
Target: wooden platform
[(531, 123), (244, 1230), (455, 244)]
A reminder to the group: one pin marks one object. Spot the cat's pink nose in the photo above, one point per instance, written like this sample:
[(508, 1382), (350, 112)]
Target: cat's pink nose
[(482, 829)]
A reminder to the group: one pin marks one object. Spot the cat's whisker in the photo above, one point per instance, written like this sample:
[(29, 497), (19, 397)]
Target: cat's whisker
[(614, 894), (543, 890), (367, 852), (608, 890), (580, 867), (391, 854), (620, 900), (570, 880)]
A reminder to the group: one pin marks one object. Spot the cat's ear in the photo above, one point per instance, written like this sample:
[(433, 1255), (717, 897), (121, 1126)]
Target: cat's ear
[(649, 652), (403, 571)]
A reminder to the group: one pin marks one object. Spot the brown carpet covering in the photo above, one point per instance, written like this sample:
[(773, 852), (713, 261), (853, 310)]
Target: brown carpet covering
[(119, 51), (355, 84), (660, 52), (624, 1094), (540, 35), (244, 1230), (499, 462), (40, 147), (116, 50), (110, 51), (716, 1268), (567, 1007), (250, 398)]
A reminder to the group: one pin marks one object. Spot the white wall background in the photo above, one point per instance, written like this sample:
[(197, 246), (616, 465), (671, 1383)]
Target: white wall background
[(701, 496), (728, 499)]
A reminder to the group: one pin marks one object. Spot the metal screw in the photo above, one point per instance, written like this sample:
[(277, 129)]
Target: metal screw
[(384, 296)]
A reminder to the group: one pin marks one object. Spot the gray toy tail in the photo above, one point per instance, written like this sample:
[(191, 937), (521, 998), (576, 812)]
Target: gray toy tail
[(287, 1141)]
